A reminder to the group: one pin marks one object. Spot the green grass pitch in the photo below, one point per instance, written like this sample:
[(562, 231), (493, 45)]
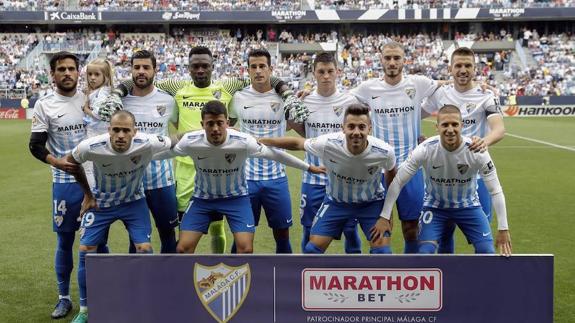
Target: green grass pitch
[(537, 180)]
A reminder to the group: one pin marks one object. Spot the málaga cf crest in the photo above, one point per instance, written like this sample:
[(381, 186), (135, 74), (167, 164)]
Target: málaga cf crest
[(222, 289)]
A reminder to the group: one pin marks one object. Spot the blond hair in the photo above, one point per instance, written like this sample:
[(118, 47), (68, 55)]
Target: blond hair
[(106, 69)]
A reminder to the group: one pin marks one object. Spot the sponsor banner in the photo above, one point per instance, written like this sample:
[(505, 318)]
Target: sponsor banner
[(539, 111), (73, 16), (337, 289), (294, 16), (299, 288), (10, 113)]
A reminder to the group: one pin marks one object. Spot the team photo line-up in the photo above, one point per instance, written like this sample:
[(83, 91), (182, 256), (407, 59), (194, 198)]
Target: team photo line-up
[(111, 155)]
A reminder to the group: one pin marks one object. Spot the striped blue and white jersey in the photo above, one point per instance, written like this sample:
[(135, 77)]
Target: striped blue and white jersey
[(62, 118), (95, 126), (352, 178), (220, 170), (326, 116), (153, 114), (118, 176), (475, 105), (396, 110), (260, 115), (450, 176)]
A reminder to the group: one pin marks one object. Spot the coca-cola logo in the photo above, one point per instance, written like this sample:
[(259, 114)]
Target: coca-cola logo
[(9, 114)]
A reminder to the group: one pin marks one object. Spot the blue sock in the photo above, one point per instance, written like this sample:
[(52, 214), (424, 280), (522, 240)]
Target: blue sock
[(352, 241), (311, 248), (82, 279), (305, 237), (447, 244), (103, 248), (484, 247), (427, 248), (381, 250), (64, 261), (283, 245), (132, 247), (410, 247), (234, 249), (168, 240), (150, 251)]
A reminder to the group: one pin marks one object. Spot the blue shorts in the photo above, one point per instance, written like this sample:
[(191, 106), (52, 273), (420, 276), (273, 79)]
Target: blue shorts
[(135, 215), (472, 222), (410, 200), (66, 203), (274, 196), (484, 198), (332, 217), (312, 197), (201, 212), (163, 205)]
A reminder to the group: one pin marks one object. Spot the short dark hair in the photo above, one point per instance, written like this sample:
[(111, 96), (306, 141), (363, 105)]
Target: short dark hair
[(143, 54), (393, 44), (356, 109), (260, 52), (462, 51), (214, 107), (124, 113), (200, 50), (324, 57), (63, 55), (449, 108)]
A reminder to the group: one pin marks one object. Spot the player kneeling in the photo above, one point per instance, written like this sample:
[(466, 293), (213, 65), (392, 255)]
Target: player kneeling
[(219, 156), (450, 189)]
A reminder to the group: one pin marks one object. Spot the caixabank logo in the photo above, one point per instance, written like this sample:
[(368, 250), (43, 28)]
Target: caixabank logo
[(369, 289), (222, 289)]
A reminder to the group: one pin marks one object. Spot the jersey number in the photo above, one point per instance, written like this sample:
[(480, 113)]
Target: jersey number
[(60, 207), (88, 219), (426, 217)]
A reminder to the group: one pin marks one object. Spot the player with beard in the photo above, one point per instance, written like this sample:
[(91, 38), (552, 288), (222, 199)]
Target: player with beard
[(154, 109), (395, 103), (190, 98), (58, 121), (482, 118)]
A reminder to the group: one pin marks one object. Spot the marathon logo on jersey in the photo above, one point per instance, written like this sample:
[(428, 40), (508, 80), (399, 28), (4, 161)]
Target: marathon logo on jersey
[(230, 158), (462, 168), (72, 15), (338, 110), (222, 289), (369, 289), (410, 91), (136, 159), (275, 106), (217, 94), (161, 109)]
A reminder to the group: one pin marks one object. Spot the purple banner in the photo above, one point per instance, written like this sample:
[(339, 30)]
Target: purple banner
[(298, 289)]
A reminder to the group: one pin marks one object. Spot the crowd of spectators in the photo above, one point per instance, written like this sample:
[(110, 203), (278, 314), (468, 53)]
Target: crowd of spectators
[(554, 72), (254, 5), (358, 57)]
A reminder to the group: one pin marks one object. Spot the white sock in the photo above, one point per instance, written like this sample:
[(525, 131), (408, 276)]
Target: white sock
[(65, 296), (83, 309)]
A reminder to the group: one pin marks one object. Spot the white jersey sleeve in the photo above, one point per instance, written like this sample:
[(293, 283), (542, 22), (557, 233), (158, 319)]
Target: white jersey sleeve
[(316, 146)]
